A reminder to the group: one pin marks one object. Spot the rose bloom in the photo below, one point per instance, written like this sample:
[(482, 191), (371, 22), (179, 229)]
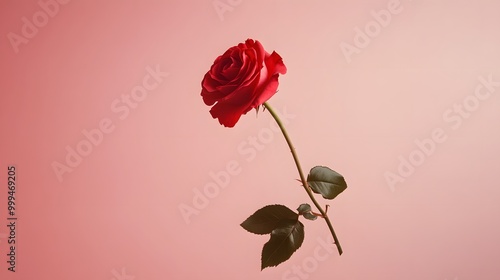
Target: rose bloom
[(241, 79)]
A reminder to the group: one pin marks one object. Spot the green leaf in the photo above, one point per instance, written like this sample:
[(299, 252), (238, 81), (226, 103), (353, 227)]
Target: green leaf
[(269, 218), (326, 182), (283, 243), (310, 216), (304, 208)]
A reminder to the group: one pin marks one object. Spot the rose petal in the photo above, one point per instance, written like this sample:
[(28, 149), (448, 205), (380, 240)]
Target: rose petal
[(268, 85), (274, 64), (209, 92), (227, 113), (267, 90)]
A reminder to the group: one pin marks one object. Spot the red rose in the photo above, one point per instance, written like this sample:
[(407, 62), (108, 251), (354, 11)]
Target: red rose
[(241, 79)]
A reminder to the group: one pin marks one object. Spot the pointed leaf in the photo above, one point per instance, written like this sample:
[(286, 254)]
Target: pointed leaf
[(269, 218), (326, 182), (304, 208), (310, 216), (283, 243)]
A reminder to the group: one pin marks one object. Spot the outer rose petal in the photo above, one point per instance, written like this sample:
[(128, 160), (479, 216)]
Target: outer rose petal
[(269, 85), (267, 91), (275, 64), (227, 113), (208, 92)]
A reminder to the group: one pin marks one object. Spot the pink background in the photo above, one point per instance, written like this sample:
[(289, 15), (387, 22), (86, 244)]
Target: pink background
[(116, 214)]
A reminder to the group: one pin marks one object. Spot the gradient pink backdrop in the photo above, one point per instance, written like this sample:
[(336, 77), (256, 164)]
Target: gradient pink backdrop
[(119, 208)]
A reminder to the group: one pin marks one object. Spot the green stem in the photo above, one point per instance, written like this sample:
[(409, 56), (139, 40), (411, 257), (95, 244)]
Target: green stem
[(302, 177)]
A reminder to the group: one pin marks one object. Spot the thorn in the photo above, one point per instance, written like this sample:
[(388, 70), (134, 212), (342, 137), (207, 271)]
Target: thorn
[(326, 208)]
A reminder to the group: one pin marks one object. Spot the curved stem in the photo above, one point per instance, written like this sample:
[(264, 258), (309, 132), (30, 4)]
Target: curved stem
[(302, 177)]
